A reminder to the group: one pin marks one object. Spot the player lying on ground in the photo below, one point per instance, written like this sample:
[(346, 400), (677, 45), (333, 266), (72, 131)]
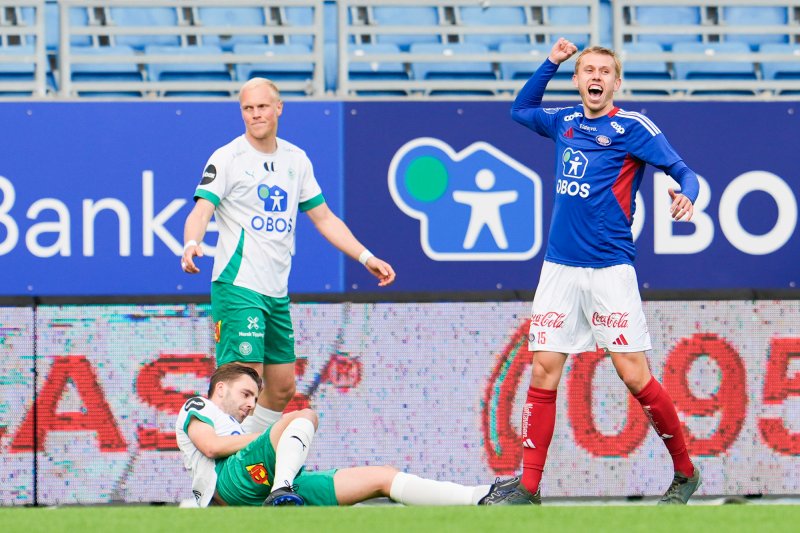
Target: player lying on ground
[(231, 467)]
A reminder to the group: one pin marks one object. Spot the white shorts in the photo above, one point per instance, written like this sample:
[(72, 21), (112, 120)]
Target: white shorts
[(577, 309)]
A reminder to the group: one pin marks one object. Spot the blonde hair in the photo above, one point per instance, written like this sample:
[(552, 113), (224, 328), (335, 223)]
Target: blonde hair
[(252, 83), (603, 51)]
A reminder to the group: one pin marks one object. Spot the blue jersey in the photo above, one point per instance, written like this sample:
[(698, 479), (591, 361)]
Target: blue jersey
[(599, 167)]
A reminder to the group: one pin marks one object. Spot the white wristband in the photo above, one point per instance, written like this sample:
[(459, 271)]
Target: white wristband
[(188, 244), (364, 257)]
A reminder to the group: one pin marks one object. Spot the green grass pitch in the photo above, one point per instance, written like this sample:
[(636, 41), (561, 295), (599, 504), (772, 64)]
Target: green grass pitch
[(387, 519)]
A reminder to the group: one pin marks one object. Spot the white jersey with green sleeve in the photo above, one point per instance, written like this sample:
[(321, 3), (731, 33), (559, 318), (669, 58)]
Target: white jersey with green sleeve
[(204, 474), (257, 198)]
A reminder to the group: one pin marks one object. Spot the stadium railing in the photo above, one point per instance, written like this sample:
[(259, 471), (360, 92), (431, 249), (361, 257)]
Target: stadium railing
[(23, 57), (506, 21), (732, 61), (134, 23)]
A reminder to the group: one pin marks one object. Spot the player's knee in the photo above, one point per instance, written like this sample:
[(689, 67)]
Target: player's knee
[(543, 375), (632, 380), (281, 391), (309, 414)]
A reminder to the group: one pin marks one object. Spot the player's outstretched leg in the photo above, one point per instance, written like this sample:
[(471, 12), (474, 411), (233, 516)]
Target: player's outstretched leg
[(498, 490), (681, 489), (284, 496), (519, 495)]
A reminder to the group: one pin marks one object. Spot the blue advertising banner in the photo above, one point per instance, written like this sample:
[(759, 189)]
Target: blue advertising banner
[(93, 196), (459, 197)]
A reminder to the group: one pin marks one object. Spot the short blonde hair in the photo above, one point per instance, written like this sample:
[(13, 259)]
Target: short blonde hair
[(600, 50), (252, 83)]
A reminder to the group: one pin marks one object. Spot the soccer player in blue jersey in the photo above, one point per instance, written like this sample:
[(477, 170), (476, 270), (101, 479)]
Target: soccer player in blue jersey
[(588, 294)]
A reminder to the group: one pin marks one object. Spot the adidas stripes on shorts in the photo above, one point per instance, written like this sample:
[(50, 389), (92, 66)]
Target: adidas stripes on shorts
[(577, 309)]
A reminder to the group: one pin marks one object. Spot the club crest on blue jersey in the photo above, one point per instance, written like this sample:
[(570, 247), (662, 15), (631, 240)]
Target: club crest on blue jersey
[(602, 140), (574, 163), (275, 199)]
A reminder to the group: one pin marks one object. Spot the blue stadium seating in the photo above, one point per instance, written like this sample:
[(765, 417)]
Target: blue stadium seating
[(372, 70), (301, 70), (781, 70), (106, 72), (145, 18), (755, 16), (452, 70), (645, 70), (651, 70), (232, 18), (493, 16), (522, 70), (714, 70), (406, 16), (23, 71), (303, 17), (188, 71), (668, 16), (570, 15)]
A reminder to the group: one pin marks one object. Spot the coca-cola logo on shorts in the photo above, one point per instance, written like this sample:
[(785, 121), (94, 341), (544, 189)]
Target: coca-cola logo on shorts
[(550, 319), (613, 320)]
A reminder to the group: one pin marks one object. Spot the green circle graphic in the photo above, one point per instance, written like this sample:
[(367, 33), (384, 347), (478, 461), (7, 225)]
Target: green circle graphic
[(426, 179)]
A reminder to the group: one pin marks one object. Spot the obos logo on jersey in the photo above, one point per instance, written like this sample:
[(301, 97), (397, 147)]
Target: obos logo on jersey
[(275, 198), (478, 204)]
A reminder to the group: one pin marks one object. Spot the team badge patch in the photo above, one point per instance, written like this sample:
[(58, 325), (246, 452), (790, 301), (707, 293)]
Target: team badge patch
[(208, 175), (602, 140), (217, 331), (258, 473), (194, 403)]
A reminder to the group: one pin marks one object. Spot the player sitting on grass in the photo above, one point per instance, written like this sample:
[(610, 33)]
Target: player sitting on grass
[(231, 467)]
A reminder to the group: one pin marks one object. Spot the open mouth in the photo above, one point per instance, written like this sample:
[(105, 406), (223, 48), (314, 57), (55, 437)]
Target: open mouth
[(595, 89)]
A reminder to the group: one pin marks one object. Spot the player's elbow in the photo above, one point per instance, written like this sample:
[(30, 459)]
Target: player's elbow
[(213, 449), (516, 114)]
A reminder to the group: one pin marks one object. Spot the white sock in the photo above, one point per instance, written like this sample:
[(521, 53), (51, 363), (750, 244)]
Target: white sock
[(292, 450), (260, 420), (414, 490)]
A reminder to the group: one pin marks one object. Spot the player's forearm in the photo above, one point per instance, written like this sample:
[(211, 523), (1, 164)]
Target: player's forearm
[(686, 178), (339, 235), (196, 224), (221, 447), (531, 94)]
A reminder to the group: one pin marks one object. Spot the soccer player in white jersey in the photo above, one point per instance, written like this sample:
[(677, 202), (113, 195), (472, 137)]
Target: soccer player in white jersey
[(232, 467), (255, 186), (588, 295)]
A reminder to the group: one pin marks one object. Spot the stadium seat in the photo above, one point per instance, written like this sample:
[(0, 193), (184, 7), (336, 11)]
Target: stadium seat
[(644, 70), (781, 70), (15, 72), (188, 71), (649, 70), (105, 72), (667, 16), (425, 16), (570, 16), (522, 70), (734, 16), (230, 18), (295, 71), (452, 70), (300, 17), (475, 16), (360, 70), (714, 70), (150, 18)]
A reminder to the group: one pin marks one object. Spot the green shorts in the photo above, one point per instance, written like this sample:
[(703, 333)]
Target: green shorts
[(250, 327), (245, 478)]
